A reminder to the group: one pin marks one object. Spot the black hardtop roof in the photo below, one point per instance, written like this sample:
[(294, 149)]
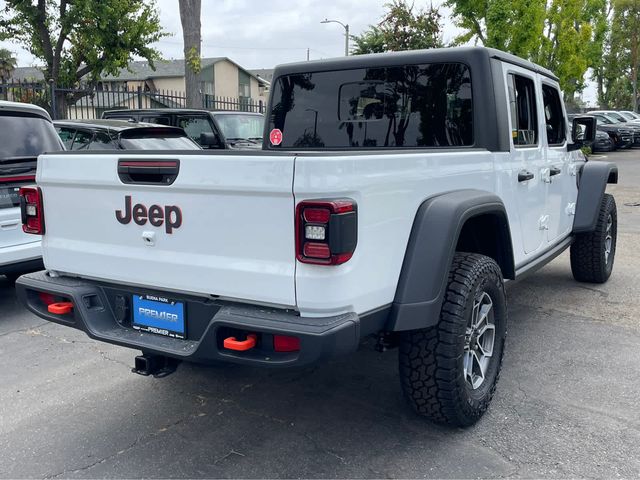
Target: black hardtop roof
[(177, 111), (112, 125), (433, 55)]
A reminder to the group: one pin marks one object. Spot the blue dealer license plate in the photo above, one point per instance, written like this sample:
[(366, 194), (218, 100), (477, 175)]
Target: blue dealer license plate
[(159, 315)]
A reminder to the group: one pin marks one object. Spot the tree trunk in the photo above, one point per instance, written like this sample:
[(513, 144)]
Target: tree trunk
[(190, 19)]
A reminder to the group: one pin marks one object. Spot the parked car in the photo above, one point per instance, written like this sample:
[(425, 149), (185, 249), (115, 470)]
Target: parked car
[(619, 116), (26, 131), (603, 142), (630, 115), (211, 129), (121, 135), (393, 198), (622, 134)]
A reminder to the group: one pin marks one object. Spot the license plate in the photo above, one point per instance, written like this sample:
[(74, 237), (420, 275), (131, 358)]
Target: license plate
[(159, 315)]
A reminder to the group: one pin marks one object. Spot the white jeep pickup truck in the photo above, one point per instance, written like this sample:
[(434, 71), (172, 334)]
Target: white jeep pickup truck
[(393, 196)]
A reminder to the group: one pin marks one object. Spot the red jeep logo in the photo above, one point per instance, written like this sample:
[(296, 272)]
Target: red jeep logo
[(156, 215)]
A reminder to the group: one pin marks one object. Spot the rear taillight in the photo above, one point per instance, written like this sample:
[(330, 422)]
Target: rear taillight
[(31, 210), (326, 231)]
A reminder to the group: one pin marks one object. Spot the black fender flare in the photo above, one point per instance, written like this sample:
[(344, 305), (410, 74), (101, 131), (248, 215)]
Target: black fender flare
[(592, 182), (430, 250)]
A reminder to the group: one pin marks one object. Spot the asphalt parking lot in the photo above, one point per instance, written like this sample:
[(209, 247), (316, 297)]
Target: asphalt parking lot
[(567, 405)]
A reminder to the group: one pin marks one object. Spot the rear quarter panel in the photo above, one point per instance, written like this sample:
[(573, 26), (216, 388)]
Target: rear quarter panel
[(389, 188)]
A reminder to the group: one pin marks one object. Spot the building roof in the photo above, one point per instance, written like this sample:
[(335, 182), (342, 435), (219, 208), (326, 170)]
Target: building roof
[(23, 74), (264, 73), (141, 70)]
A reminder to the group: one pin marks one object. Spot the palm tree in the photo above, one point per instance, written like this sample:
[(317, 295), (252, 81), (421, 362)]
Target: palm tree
[(7, 64)]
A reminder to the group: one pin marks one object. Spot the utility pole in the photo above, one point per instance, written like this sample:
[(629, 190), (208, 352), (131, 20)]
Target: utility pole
[(308, 54)]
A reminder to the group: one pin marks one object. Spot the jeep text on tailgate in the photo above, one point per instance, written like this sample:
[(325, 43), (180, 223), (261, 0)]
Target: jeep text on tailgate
[(393, 196)]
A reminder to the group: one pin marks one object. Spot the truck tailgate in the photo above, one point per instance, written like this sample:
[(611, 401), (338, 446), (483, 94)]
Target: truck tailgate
[(235, 234)]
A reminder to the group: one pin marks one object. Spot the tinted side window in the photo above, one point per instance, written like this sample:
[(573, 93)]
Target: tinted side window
[(405, 106), (194, 126), (66, 135), (524, 118), (553, 116), (81, 140)]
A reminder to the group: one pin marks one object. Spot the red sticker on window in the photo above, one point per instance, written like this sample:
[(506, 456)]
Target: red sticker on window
[(275, 136)]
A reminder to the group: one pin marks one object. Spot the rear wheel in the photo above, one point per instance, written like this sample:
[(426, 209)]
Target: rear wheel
[(449, 372), (593, 253)]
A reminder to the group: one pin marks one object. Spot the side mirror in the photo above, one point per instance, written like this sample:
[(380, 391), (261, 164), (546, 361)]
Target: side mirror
[(210, 140), (583, 132)]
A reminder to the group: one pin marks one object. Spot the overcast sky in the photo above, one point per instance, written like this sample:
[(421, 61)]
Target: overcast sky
[(262, 34)]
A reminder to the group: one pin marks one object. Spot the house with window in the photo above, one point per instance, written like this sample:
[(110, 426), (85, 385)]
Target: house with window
[(219, 77)]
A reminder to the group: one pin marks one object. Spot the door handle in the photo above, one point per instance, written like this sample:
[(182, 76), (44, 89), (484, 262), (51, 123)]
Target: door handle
[(555, 171), (525, 175)]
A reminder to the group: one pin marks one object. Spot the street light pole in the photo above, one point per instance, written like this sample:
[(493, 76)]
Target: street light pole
[(346, 34)]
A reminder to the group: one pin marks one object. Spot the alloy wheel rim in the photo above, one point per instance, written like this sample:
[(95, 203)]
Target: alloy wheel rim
[(608, 240), (479, 341)]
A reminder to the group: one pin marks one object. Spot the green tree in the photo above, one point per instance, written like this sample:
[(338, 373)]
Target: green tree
[(514, 26), (83, 39), (401, 28), (7, 64), (624, 54), (562, 35)]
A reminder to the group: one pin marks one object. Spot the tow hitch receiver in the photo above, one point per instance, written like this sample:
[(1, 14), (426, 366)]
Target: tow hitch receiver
[(230, 343), (155, 365), (60, 308)]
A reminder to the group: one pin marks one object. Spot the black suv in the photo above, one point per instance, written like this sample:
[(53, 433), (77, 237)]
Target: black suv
[(211, 129), (121, 135)]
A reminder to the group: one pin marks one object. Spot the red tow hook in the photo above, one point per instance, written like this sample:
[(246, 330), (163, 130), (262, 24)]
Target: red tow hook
[(60, 308), (231, 343)]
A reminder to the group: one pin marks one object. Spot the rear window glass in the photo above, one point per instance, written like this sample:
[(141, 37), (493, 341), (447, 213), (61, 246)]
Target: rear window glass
[(26, 136), (158, 143), (406, 106)]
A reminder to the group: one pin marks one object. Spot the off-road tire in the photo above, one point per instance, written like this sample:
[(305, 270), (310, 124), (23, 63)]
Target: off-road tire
[(431, 359), (589, 260)]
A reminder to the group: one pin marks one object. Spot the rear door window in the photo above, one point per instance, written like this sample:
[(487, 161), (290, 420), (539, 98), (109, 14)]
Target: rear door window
[(66, 135), (553, 116), (82, 140), (524, 116), (409, 106), (102, 141)]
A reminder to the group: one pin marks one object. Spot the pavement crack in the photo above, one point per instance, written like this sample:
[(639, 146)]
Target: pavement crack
[(252, 412), (26, 329), (324, 450), (109, 359), (227, 455), (139, 440)]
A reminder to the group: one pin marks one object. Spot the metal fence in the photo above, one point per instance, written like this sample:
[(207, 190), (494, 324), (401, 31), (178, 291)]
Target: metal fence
[(89, 104)]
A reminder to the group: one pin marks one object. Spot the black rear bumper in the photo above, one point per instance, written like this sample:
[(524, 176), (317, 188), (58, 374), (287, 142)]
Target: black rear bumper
[(210, 321)]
